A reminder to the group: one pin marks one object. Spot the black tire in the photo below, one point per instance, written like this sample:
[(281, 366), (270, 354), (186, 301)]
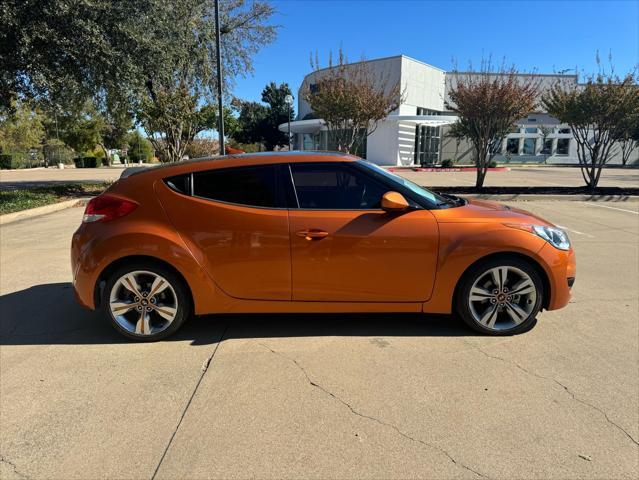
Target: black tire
[(178, 285), (462, 303)]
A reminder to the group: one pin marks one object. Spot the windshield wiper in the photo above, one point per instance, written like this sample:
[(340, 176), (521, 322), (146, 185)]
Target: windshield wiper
[(451, 200)]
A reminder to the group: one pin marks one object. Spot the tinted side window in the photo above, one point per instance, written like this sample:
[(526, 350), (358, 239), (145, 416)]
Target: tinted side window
[(180, 183), (335, 186), (252, 186)]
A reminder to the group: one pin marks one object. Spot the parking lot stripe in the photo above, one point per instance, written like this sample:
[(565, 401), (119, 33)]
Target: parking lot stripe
[(576, 231), (612, 208)]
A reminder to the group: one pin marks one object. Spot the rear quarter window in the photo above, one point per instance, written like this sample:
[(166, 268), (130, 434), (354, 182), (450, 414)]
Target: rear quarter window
[(180, 183), (255, 186)]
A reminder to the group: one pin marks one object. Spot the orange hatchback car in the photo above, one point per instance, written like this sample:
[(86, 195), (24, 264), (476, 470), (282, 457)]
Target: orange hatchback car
[(309, 232)]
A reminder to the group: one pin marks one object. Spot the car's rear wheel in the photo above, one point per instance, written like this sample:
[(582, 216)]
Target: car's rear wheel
[(145, 302), (501, 296)]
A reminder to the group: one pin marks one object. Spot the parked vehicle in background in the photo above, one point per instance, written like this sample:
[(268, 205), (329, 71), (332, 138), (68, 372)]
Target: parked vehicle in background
[(309, 232)]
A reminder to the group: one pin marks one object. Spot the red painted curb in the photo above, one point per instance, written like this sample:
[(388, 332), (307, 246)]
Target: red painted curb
[(453, 169)]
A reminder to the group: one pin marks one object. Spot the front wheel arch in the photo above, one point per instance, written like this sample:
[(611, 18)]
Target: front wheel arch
[(504, 255)]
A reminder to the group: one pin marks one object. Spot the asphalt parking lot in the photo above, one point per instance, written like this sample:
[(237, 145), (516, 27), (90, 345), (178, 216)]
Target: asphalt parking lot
[(324, 396)]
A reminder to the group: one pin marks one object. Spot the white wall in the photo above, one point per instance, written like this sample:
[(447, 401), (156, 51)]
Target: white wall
[(422, 85), (385, 70)]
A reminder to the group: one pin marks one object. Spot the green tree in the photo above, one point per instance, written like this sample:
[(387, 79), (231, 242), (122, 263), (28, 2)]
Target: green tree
[(277, 113), (249, 121), (597, 113), (139, 148), (49, 47), (80, 128), (488, 104), (143, 53), (259, 123), (172, 118), (21, 128), (178, 98)]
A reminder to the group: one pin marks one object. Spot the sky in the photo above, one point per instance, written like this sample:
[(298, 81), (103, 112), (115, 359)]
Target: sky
[(542, 36)]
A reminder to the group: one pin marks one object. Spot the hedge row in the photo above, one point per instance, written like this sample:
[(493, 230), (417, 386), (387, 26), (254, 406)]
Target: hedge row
[(5, 161), (85, 162)]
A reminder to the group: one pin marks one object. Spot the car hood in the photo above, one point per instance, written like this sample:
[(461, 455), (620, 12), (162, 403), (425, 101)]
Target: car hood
[(482, 211)]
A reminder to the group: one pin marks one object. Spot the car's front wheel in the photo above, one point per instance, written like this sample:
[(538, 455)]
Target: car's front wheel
[(145, 301), (501, 296)]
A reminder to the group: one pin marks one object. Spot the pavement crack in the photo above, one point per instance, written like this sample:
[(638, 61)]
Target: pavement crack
[(13, 467), (354, 411), (565, 387), (203, 369)]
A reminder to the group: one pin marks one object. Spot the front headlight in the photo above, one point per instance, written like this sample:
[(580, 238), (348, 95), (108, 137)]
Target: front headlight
[(553, 235)]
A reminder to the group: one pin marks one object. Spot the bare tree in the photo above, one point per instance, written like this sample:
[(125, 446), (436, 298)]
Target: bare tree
[(351, 99), (596, 113), (488, 104)]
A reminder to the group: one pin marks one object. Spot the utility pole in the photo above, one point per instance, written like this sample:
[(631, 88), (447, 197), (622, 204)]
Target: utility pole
[(218, 55)]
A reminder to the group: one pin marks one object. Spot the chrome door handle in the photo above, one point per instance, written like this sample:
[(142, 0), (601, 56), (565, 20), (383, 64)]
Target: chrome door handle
[(312, 234)]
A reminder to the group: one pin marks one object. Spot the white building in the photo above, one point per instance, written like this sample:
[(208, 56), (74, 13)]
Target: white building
[(415, 134)]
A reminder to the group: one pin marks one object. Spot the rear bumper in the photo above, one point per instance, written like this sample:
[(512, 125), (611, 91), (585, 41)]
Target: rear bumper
[(83, 283), (561, 269)]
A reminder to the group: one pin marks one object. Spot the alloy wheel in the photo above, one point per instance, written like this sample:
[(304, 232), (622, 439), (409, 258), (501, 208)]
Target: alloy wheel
[(502, 298), (143, 303)]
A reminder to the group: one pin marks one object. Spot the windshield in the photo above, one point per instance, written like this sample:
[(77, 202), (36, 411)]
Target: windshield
[(413, 187)]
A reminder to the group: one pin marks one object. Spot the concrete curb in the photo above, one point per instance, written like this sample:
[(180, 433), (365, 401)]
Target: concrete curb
[(38, 211), (619, 199)]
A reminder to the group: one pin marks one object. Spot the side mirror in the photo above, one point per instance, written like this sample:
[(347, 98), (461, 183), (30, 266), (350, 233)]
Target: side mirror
[(394, 202)]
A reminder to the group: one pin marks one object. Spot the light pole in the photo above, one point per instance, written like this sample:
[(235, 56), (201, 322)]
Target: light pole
[(288, 99), (218, 55)]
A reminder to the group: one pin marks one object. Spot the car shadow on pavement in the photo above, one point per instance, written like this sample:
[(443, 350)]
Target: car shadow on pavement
[(48, 315)]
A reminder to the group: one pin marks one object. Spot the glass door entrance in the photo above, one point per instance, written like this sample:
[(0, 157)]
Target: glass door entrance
[(426, 141)]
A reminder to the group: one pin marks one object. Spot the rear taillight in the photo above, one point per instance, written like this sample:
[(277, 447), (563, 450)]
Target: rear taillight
[(107, 207)]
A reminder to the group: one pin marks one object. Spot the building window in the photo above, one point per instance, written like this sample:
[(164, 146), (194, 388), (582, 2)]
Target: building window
[(426, 140), (515, 129), (563, 146), (426, 111), (563, 130), (531, 129), (512, 146), (529, 146), (547, 148)]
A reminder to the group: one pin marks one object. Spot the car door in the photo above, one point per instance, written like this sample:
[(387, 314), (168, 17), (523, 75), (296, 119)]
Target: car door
[(235, 222), (345, 248)]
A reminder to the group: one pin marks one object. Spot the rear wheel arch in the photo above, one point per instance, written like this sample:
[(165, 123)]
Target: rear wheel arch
[(150, 260), (505, 255)]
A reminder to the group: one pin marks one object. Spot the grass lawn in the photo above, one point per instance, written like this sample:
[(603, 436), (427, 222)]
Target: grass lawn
[(23, 199)]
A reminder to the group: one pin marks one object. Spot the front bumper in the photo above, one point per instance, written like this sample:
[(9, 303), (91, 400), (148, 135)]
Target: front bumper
[(561, 269)]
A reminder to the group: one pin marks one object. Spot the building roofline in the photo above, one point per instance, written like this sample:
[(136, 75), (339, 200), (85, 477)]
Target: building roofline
[(423, 63), (519, 74), (354, 63)]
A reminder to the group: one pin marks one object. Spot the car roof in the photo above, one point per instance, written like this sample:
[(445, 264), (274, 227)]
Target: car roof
[(238, 160)]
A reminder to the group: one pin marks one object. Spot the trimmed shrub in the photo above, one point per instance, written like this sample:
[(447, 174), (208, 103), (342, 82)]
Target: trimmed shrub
[(79, 162), (5, 161), (448, 163), (492, 164), (90, 162)]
